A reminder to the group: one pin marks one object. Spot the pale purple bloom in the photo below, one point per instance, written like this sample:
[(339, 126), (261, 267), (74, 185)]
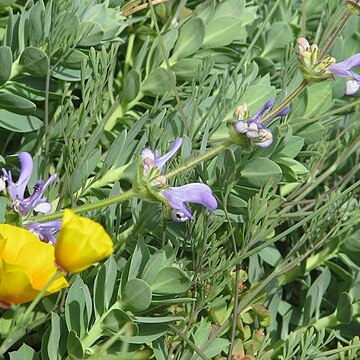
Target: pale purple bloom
[(193, 193), (344, 69), (256, 131), (151, 158), (45, 231), (16, 190)]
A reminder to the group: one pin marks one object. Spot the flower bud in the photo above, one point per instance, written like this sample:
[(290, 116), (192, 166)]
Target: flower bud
[(312, 68), (353, 6), (81, 243)]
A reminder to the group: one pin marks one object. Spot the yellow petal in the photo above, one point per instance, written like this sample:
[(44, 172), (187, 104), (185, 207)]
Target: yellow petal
[(26, 266), (12, 239), (81, 242), (15, 284)]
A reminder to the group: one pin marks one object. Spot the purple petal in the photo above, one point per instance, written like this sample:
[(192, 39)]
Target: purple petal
[(17, 190), (36, 197), (284, 111), (269, 104), (265, 139), (253, 131), (343, 68), (193, 193), (45, 231), (241, 126), (160, 162)]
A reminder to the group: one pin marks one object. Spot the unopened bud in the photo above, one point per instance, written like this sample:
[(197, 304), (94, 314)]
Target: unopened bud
[(241, 112), (353, 6)]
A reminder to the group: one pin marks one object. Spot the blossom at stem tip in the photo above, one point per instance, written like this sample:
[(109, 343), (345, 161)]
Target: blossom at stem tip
[(16, 190), (254, 129), (175, 197)]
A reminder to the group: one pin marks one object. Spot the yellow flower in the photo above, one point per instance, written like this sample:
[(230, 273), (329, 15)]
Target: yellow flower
[(26, 266), (81, 242)]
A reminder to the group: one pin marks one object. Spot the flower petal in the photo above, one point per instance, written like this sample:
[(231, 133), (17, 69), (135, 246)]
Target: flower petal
[(193, 193), (268, 105), (352, 86), (160, 162), (241, 126), (81, 242)]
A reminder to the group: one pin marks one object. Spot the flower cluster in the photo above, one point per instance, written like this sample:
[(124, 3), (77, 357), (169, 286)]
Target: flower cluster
[(177, 197), (35, 202), (254, 129), (16, 190), (313, 67), (27, 264)]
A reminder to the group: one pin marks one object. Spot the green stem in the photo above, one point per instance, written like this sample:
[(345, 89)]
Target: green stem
[(188, 341), (285, 102), (335, 35), (208, 155), (89, 207), (168, 66)]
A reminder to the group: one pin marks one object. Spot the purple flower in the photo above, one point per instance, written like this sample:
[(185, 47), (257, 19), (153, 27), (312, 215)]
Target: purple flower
[(16, 190), (151, 158), (45, 231), (344, 69), (256, 130), (193, 193)]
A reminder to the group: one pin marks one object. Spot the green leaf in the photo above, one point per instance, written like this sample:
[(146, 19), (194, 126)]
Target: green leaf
[(19, 123), (278, 37), (312, 133), (260, 171), (74, 346), (187, 69), (53, 342), (157, 320), (4, 3), (318, 99), (34, 61), (136, 295), (104, 285), (90, 33), (16, 104), (171, 280), (344, 310), (157, 83), (292, 147), (25, 352), (147, 333), (78, 307), (116, 320), (190, 38), (153, 266), (6, 64), (131, 86), (221, 31)]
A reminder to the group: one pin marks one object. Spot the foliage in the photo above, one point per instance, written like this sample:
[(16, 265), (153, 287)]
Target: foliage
[(273, 273)]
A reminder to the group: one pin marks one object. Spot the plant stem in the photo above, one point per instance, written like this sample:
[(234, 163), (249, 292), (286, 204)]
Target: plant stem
[(188, 341), (132, 193), (335, 35), (285, 102), (168, 66), (208, 155), (89, 207)]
